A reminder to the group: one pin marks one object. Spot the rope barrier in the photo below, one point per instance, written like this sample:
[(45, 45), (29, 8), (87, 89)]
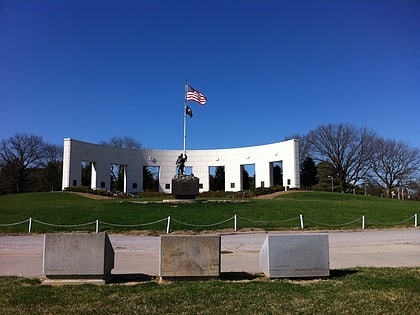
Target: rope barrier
[(63, 225), (203, 225), (392, 224), (132, 225), (234, 218), (257, 221), (12, 224), (332, 225)]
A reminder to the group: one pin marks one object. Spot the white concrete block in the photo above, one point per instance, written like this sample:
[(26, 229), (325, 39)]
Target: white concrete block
[(77, 255), (295, 256)]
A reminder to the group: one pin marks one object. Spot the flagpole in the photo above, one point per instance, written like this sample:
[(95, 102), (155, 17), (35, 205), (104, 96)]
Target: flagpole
[(185, 119)]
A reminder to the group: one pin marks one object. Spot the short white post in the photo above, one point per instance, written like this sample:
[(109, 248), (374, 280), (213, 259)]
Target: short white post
[(97, 226), (30, 226), (168, 225), (301, 221), (234, 222), (415, 219), (363, 222)]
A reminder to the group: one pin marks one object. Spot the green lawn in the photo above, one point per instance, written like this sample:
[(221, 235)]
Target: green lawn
[(320, 210), (356, 291), (351, 291)]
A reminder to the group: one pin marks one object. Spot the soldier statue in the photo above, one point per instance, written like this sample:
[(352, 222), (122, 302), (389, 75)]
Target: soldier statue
[(180, 163)]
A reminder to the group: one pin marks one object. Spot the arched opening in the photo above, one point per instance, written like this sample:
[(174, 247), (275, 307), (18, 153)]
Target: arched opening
[(276, 173), (247, 176), (118, 178), (151, 178), (217, 178), (86, 176)]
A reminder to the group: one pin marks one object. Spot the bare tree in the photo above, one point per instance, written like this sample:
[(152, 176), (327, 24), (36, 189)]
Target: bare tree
[(122, 142), (53, 153), (21, 156), (346, 148), (393, 164), (52, 172)]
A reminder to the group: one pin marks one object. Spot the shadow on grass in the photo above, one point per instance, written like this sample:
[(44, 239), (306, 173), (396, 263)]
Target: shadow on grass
[(334, 274), (226, 276), (339, 273), (238, 276), (130, 277), (140, 277)]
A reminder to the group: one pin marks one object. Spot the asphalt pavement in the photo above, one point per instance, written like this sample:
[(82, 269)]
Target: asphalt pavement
[(21, 255)]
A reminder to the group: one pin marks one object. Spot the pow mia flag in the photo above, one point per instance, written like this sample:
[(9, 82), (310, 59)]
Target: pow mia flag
[(188, 111)]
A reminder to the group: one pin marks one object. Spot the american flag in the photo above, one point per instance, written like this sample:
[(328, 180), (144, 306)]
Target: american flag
[(196, 96)]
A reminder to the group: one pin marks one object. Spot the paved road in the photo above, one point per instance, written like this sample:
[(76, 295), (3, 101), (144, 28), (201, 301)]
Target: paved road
[(22, 255)]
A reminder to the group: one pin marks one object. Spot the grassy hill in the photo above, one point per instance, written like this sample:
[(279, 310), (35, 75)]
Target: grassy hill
[(59, 211)]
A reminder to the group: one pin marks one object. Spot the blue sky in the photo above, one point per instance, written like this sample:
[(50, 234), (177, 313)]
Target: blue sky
[(92, 70)]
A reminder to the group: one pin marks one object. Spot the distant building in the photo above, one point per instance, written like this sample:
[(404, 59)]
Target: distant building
[(133, 161)]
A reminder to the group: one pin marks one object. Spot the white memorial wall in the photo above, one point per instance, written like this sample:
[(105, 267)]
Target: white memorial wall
[(102, 157)]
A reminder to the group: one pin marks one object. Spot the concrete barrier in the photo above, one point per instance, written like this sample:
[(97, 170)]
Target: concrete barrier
[(189, 256), (77, 256), (295, 256)]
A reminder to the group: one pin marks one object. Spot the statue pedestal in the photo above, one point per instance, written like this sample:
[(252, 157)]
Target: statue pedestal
[(185, 187)]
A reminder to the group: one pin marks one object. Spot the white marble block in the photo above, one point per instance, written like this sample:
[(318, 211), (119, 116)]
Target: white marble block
[(295, 256), (77, 255)]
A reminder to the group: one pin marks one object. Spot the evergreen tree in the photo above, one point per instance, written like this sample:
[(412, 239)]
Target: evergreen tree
[(308, 173), (277, 175), (246, 182), (150, 183), (219, 178)]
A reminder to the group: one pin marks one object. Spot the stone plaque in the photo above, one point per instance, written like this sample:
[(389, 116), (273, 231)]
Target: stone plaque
[(187, 256), (185, 187)]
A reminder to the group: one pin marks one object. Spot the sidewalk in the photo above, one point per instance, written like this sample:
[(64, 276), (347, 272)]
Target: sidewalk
[(22, 255)]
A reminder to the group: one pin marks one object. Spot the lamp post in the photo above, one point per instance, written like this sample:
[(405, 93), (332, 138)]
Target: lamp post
[(332, 183)]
